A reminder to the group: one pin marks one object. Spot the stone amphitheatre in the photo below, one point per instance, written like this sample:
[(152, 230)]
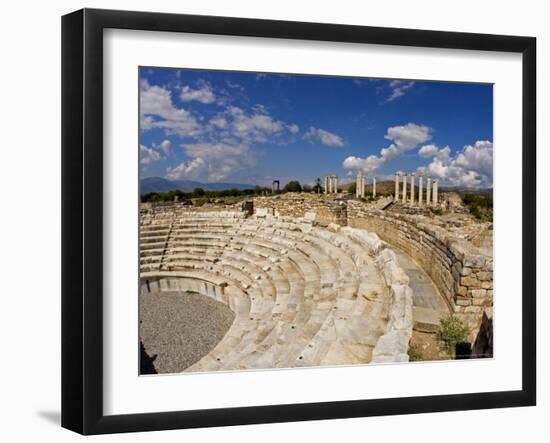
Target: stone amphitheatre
[(306, 279)]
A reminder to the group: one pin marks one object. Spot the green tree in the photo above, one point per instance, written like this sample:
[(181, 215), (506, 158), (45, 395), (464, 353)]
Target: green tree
[(198, 192), (306, 188), (451, 332), (317, 187), (293, 186), (352, 188)]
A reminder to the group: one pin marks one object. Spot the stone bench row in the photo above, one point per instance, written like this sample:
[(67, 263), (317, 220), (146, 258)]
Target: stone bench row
[(313, 296)]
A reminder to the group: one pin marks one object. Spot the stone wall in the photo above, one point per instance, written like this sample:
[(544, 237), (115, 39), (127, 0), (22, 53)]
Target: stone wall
[(462, 272), (327, 209)]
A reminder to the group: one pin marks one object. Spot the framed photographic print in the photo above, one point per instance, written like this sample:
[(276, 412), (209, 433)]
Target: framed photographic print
[(270, 221)]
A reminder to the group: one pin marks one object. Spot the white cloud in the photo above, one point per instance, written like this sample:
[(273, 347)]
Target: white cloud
[(218, 122), (428, 151), (408, 136), (325, 137), (190, 170), (204, 94), (212, 161), (158, 111), (399, 88), (471, 167), (148, 155), (235, 124), (232, 85), (293, 128), (164, 146), (404, 139), (254, 127), (368, 165)]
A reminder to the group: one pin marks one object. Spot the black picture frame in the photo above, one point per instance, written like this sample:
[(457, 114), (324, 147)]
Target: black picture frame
[(82, 218)]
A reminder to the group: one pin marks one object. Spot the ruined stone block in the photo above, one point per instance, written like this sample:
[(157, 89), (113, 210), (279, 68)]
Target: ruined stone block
[(463, 301), (471, 282), (478, 293), (485, 276), (487, 285), (474, 261)]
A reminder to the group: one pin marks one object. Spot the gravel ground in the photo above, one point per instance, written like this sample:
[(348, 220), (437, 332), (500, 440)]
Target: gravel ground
[(178, 329)]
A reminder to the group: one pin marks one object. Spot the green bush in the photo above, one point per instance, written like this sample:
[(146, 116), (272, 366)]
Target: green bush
[(479, 205), (475, 211), (415, 354), (451, 332), (200, 201), (293, 186)]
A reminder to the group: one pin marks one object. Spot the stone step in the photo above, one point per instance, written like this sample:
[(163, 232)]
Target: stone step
[(302, 295)]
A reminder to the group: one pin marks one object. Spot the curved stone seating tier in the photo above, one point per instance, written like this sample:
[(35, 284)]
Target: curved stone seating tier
[(302, 295)]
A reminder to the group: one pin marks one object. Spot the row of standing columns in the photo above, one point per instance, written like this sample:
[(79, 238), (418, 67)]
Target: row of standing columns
[(431, 189), (360, 186), (331, 184)]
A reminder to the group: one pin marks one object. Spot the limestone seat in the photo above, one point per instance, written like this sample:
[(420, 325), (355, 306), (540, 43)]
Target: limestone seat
[(302, 295)]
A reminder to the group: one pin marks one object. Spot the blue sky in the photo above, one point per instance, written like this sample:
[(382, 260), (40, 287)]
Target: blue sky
[(214, 126)]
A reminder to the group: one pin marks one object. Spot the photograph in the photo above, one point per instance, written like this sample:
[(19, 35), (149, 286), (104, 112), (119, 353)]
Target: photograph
[(295, 221)]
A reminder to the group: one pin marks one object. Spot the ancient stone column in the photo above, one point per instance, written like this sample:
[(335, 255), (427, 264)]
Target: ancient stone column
[(404, 188), (335, 184), (435, 192), (326, 184), (360, 185), (420, 188), (373, 186), (396, 196), (412, 188), (428, 189)]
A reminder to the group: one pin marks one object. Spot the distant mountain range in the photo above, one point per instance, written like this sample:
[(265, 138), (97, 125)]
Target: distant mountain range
[(159, 184)]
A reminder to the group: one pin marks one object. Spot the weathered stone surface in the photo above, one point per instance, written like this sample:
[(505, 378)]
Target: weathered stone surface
[(476, 293), (401, 308), (474, 261), (463, 301), (484, 276), (470, 282), (375, 245), (390, 268), (263, 212), (391, 347)]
